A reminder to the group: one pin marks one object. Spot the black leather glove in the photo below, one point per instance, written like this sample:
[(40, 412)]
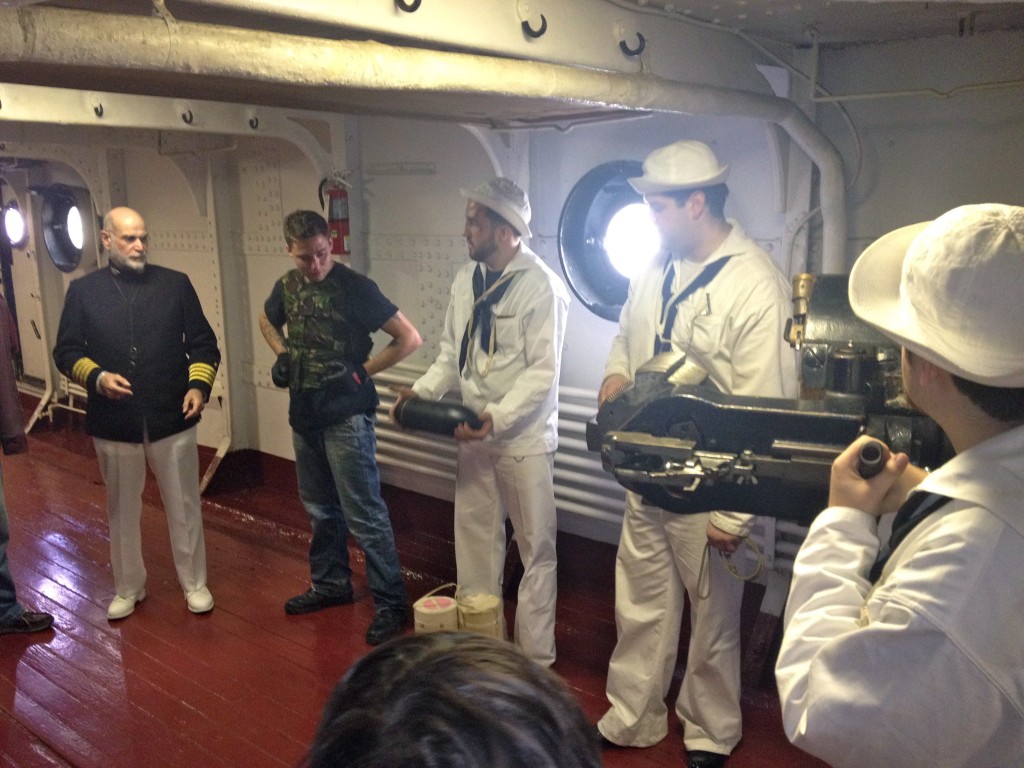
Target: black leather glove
[(280, 373)]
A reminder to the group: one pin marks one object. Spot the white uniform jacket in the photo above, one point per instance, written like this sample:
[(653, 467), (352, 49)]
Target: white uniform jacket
[(926, 668), (733, 328), (520, 387)]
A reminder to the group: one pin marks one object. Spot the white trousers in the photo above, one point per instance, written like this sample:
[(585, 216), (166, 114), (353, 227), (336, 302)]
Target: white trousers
[(657, 564), (175, 464), (487, 489)]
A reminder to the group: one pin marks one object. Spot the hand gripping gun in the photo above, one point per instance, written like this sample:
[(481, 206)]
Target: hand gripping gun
[(686, 447)]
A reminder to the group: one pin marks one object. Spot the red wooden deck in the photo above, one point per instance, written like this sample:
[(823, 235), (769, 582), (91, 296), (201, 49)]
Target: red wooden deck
[(243, 685)]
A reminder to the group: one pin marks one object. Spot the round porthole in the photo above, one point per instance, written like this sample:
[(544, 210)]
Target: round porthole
[(63, 230), (604, 235)]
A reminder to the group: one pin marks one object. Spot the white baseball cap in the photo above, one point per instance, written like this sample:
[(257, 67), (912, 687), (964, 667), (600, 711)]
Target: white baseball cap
[(505, 198), (680, 166), (951, 291)]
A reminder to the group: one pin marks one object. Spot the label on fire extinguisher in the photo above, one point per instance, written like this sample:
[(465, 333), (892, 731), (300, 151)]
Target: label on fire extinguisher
[(339, 208), (337, 215)]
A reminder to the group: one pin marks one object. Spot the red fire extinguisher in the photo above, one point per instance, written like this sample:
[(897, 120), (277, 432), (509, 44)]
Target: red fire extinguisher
[(337, 215)]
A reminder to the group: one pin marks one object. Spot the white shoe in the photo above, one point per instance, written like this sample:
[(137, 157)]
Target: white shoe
[(124, 606), (199, 600)]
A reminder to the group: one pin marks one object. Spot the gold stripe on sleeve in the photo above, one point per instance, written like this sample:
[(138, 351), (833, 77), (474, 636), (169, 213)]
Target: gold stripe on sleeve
[(82, 370), (203, 372)]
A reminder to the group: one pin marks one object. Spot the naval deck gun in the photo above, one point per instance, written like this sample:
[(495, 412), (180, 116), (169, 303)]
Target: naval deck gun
[(685, 446)]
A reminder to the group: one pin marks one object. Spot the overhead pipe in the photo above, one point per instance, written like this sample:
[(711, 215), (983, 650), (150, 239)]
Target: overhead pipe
[(55, 36)]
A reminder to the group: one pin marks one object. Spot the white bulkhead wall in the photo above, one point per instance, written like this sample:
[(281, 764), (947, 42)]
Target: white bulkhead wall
[(921, 157), (939, 123), (413, 171)]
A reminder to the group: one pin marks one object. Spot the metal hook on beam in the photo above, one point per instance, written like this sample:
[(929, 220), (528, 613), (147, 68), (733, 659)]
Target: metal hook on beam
[(408, 7), (641, 44), (531, 32)]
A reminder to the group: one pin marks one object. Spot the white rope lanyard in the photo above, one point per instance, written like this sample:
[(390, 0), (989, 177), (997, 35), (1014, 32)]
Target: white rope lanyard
[(704, 574)]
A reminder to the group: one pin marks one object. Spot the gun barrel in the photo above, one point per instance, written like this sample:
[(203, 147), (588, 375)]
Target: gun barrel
[(870, 459)]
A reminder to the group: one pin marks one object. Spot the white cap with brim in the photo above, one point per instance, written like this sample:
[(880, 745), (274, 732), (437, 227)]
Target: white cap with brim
[(680, 166), (950, 290), (505, 198)]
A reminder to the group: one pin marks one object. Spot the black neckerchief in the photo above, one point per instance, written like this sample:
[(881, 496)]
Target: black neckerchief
[(486, 293), (916, 508)]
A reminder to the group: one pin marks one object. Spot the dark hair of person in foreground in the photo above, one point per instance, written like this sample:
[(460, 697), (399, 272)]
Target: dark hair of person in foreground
[(451, 699)]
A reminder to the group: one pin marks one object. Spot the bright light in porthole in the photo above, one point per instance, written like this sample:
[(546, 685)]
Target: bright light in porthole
[(631, 240), (75, 231), (14, 225)]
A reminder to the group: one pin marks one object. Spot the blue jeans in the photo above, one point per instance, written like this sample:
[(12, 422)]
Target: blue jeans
[(339, 485), (9, 608)]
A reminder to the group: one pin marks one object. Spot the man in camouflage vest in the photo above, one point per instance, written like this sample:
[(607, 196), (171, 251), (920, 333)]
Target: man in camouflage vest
[(330, 312)]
